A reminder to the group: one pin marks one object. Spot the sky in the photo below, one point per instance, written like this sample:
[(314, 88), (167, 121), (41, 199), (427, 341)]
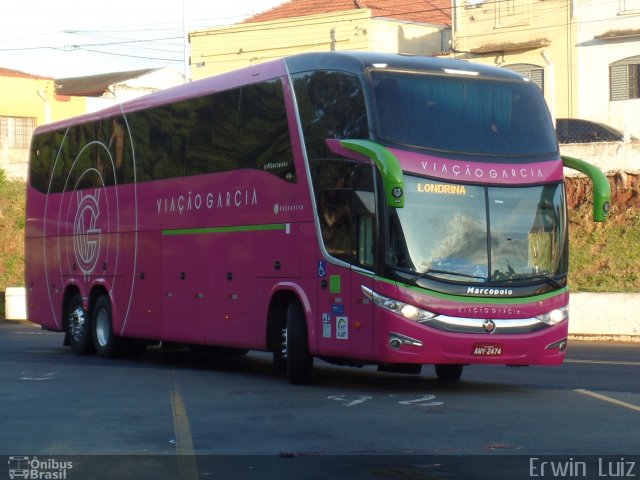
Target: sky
[(72, 38)]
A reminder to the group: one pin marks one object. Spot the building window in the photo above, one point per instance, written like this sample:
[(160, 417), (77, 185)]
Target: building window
[(535, 73), (511, 13), (15, 132), (629, 6), (624, 79)]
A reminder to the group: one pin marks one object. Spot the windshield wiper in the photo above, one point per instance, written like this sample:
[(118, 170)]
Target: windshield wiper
[(430, 271), (541, 276), (550, 280)]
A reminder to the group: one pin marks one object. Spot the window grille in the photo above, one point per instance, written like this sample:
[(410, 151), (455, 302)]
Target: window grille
[(15, 132)]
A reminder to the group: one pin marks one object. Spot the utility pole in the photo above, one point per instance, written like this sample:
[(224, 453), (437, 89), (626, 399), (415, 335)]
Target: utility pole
[(185, 38)]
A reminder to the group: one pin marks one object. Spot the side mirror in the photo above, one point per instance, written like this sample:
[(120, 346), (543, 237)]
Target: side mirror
[(601, 187)]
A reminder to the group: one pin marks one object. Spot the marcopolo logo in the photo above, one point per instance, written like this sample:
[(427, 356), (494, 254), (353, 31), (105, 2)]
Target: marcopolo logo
[(40, 469), (489, 291)]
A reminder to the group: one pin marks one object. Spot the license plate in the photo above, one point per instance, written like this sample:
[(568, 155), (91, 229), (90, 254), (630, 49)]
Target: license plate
[(487, 350)]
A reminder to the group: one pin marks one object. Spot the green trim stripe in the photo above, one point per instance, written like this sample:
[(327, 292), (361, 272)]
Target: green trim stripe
[(484, 300), (230, 229)]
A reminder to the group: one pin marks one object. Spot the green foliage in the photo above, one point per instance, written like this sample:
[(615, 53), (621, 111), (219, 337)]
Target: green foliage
[(12, 224), (604, 257)]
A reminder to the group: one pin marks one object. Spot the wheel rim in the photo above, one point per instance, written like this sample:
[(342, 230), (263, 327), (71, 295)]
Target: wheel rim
[(103, 328), (77, 323), (283, 344)]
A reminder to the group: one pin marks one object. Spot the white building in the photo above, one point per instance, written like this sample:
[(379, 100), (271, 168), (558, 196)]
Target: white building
[(608, 60)]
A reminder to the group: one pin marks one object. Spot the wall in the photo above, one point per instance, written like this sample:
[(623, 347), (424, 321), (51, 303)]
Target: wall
[(521, 31), (223, 49), (604, 316), (160, 79), (607, 156), (594, 18), (404, 37), (23, 95), (229, 48)]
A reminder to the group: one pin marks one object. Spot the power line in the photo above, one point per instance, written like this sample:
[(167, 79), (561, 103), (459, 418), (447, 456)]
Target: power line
[(130, 56)]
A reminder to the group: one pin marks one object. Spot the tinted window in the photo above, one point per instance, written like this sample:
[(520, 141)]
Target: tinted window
[(331, 105), (462, 114), (241, 128), (345, 195)]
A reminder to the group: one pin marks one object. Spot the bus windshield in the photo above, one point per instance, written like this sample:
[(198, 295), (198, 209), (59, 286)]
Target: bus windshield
[(481, 234), (462, 114)]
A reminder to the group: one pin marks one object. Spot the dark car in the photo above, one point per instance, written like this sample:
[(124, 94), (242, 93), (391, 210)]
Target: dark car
[(573, 130)]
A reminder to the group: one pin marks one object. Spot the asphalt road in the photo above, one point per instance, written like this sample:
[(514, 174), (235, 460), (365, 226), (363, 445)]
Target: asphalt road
[(176, 414)]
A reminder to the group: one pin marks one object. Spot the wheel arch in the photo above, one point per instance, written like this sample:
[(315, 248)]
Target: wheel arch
[(96, 292), (69, 292), (281, 296)]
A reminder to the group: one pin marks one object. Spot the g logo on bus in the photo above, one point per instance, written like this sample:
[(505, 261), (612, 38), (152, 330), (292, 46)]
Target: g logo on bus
[(489, 326), (86, 235)]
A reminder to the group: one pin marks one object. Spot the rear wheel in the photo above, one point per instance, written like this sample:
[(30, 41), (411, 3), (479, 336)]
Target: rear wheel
[(448, 371), (295, 344), (78, 327), (107, 344)]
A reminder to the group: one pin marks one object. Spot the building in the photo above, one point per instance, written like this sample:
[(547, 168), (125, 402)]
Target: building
[(583, 54), (27, 101), (104, 90), (421, 27)]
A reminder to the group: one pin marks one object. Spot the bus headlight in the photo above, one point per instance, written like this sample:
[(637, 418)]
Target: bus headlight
[(554, 316), (407, 310)]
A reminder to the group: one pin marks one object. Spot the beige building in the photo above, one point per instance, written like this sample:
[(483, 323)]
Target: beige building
[(27, 101), (529, 36), (419, 27), (584, 54)]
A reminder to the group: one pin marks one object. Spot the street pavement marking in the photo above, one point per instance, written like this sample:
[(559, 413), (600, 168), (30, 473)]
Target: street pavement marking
[(603, 362), (604, 398), (187, 466)]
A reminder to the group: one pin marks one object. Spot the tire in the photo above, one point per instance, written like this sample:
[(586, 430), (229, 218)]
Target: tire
[(106, 343), (449, 371), (78, 327), (296, 346)]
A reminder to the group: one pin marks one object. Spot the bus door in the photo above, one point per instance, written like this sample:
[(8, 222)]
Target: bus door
[(347, 221)]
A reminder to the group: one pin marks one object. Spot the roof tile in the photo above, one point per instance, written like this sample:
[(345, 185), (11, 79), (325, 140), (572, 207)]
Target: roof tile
[(419, 11)]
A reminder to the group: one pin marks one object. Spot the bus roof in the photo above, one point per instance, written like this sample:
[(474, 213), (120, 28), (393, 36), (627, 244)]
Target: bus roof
[(351, 61), (358, 61)]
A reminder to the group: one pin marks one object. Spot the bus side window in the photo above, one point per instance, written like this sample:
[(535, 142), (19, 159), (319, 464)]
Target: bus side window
[(336, 223), (331, 105), (346, 210), (263, 128)]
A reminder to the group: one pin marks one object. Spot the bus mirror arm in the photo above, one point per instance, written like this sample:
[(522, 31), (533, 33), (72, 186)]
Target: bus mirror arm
[(387, 163), (601, 187)]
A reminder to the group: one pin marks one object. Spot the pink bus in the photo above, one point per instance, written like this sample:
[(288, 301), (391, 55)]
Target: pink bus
[(361, 208)]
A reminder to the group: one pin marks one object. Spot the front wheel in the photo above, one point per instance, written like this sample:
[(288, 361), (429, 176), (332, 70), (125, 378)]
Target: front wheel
[(448, 371), (299, 361)]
